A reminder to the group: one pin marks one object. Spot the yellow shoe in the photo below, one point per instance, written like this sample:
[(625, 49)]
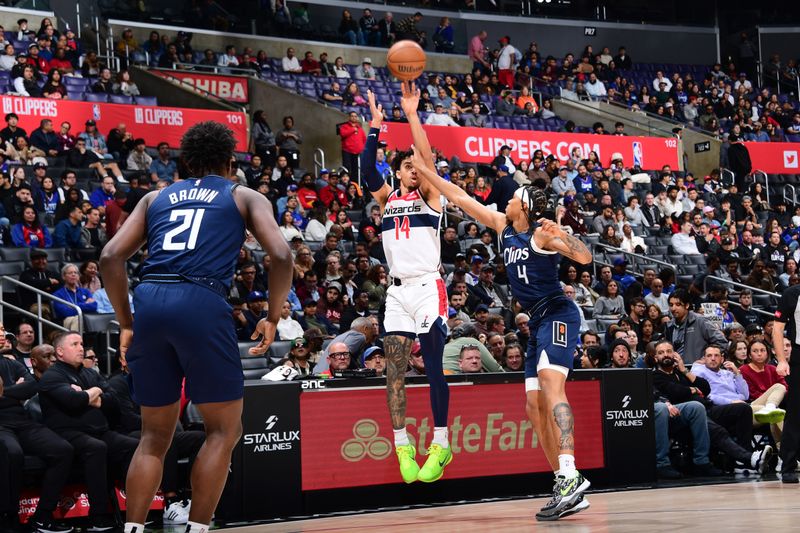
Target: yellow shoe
[(433, 469), (407, 457)]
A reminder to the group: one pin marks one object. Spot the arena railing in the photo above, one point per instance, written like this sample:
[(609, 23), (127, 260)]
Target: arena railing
[(717, 279), (645, 260), (786, 198), (40, 295)]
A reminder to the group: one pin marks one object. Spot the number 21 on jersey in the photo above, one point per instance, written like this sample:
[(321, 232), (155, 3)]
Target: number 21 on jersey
[(403, 227), (190, 220)]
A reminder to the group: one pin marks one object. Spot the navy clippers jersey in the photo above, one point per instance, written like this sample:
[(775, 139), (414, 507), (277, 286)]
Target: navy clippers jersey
[(532, 272), (194, 229)]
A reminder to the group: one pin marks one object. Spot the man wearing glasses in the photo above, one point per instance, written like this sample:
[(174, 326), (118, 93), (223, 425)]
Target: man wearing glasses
[(338, 357), (299, 355)]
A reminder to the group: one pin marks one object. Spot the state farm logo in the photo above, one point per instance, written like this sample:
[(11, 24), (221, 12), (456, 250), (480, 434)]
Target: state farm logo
[(366, 442), (790, 159)]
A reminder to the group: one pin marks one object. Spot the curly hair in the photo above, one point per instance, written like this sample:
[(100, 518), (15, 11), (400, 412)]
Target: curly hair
[(399, 157), (207, 148)]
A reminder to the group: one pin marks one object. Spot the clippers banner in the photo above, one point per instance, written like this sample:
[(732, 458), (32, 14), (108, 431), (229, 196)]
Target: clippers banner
[(230, 88), (152, 123), (481, 145), (489, 432), (774, 158)]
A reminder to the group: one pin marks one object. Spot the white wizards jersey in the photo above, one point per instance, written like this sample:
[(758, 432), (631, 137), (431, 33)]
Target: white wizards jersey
[(410, 234)]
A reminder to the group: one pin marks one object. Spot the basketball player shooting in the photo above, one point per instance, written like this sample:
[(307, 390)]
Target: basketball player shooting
[(194, 230), (531, 248), (416, 303)]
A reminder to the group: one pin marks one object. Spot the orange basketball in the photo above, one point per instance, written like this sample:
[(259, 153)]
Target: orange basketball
[(406, 60)]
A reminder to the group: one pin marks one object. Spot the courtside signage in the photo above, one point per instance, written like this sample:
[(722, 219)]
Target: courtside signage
[(152, 123), (489, 432), (481, 145), (230, 88)]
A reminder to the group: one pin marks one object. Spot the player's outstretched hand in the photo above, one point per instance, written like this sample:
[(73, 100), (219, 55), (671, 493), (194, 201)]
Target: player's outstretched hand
[(376, 110), (125, 340), (410, 99), (417, 160), (266, 330), (550, 228)]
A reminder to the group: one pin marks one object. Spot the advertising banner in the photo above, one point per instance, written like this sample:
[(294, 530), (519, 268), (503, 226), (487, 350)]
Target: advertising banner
[(152, 123), (74, 503), (628, 425), (481, 145), (270, 450), (347, 434), (775, 158), (230, 88)]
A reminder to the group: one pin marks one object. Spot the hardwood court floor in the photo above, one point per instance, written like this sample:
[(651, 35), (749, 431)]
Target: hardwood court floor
[(753, 506)]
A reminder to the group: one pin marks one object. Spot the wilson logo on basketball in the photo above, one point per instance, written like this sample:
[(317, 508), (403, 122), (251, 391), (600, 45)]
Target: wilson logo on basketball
[(366, 442)]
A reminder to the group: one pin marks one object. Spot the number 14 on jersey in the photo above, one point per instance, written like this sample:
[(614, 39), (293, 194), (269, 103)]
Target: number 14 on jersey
[(402, 226)]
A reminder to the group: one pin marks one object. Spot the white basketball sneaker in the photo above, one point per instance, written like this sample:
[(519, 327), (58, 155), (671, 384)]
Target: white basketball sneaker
[(177, 512)]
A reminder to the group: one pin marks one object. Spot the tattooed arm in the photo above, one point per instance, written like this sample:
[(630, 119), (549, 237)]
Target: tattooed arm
[(397, 349), (566, 426), (550, 236)]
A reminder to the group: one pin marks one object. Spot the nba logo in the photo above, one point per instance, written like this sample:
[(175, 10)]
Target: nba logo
[(637, 154), (560, 334), (96, 112)]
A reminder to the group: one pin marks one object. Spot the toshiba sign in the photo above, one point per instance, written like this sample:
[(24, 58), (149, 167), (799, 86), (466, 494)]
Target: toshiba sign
[(230, 88)]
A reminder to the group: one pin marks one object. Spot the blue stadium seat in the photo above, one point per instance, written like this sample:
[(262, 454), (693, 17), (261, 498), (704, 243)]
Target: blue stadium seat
[(147, 100), (121, 99), (96, 97)]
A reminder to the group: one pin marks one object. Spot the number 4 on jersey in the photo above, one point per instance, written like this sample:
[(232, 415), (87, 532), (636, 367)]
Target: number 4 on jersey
[(190, 220), (403, 226), (522, 273)]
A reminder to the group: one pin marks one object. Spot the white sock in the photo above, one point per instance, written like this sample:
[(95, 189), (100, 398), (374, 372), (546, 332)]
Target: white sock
[(770, 407), (566, 466), (557, 473), (194, 527), (440, 437), (401, 437), (133, 527)]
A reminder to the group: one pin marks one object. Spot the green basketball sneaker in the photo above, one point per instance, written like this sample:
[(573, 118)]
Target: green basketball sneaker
[(433, 469), (566, 494), (407, 456)]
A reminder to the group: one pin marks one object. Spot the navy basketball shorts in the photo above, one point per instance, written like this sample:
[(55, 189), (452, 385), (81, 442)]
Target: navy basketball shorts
[(555, 332), (183, 330)]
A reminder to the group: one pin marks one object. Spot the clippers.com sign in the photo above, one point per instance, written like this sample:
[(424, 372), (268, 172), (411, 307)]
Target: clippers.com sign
[(481, 145), (489, 433)]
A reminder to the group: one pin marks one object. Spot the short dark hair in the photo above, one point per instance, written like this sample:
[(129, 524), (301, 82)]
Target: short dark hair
[(682, 295), (399, 157), (207, 148)]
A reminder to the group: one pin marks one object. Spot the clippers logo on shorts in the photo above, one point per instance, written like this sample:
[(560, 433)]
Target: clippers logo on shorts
[(560, 334)]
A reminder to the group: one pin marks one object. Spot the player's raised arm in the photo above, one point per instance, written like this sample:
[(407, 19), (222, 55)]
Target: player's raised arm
[(410, 102), (550, 236), (456, 194), (260, 220), (377, 185)]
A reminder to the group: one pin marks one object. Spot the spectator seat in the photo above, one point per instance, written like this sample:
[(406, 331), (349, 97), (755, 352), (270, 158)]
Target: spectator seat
[(254, 367), (16, 254)]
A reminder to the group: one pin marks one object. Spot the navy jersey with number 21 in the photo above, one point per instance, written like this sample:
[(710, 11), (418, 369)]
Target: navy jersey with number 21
[(194, 228)]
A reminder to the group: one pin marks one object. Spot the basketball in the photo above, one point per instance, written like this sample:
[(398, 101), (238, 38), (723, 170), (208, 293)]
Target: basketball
[(406, 60)]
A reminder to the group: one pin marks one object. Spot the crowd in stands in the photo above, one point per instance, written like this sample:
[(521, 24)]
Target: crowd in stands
[(51, 64), (661, 311)]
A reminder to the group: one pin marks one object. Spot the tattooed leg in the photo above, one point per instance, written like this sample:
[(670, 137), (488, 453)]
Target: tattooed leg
[(562, 413), (397, 349)]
